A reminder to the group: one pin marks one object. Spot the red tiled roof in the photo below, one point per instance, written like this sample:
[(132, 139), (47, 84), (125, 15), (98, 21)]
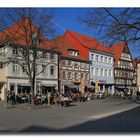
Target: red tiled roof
[(88, 42), (117, 50), (63, 44), (80, 42), (16, 33)]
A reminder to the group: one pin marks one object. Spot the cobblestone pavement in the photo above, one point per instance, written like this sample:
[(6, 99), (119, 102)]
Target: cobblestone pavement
[(22, 118)]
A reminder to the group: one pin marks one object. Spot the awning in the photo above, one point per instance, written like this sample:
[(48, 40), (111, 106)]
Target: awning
[(24, 84), (89, 86), (49, 85), (72, 86)]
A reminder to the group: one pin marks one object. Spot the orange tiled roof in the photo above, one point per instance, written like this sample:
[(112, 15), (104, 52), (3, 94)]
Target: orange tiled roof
[(117, 50), (89, 42), (63, 45), (16, 34)]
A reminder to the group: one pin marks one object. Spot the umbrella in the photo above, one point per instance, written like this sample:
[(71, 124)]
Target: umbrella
[(82, 86), (96, 86)]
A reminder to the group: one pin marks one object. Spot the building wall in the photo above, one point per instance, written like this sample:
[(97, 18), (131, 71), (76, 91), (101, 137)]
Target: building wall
[(65, 67), (124, 72), (9, 76), (101, 65), (40, 62), (138, 76), (3, 74)]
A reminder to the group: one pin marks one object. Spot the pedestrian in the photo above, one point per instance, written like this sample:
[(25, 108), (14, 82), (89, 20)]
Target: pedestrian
[(29, 98), (13, 98), (8, 96)]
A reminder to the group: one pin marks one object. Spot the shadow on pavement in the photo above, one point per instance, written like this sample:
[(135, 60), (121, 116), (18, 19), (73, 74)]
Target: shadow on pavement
[(128, 121)]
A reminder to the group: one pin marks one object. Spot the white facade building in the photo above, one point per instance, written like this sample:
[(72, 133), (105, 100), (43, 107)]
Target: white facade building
[(14, 77)]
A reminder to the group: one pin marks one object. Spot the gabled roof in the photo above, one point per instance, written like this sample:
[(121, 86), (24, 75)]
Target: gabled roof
[(117, 50), (20, 33), (88, 42), (63, 45)]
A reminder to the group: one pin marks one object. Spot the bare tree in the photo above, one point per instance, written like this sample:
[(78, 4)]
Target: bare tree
[(26, 39), (113, 25)]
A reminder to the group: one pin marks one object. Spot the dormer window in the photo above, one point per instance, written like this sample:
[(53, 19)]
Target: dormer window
[(73, 52)]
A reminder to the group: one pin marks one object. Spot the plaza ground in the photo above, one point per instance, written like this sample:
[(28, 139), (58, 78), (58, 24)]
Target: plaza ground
[(106, 115)]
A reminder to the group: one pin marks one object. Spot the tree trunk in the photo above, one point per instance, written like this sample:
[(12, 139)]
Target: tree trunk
[(32, 93), (33, 90)]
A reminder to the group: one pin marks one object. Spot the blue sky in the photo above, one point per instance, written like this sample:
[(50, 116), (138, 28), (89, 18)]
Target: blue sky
[(67, 18)]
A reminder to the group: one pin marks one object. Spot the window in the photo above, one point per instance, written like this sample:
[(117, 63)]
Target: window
[(63, 62), (52, 70), (109, 73), (101, 72), (63, 74), (73, 52), (69, 75), (92, 70), (36, 69), (97, 72), (1, 65), (97, 58), (25, 53), (102, 59), (24, 67), (15, 67), (51, 55), (82, 75), (105, 59), (15, 51), (44, 55), (87, 66), (43, 69), (105, 72), (109, 60), (76, 64), (76, 76), (82, 65), (86, 76), (69, 62), (92, 57)]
